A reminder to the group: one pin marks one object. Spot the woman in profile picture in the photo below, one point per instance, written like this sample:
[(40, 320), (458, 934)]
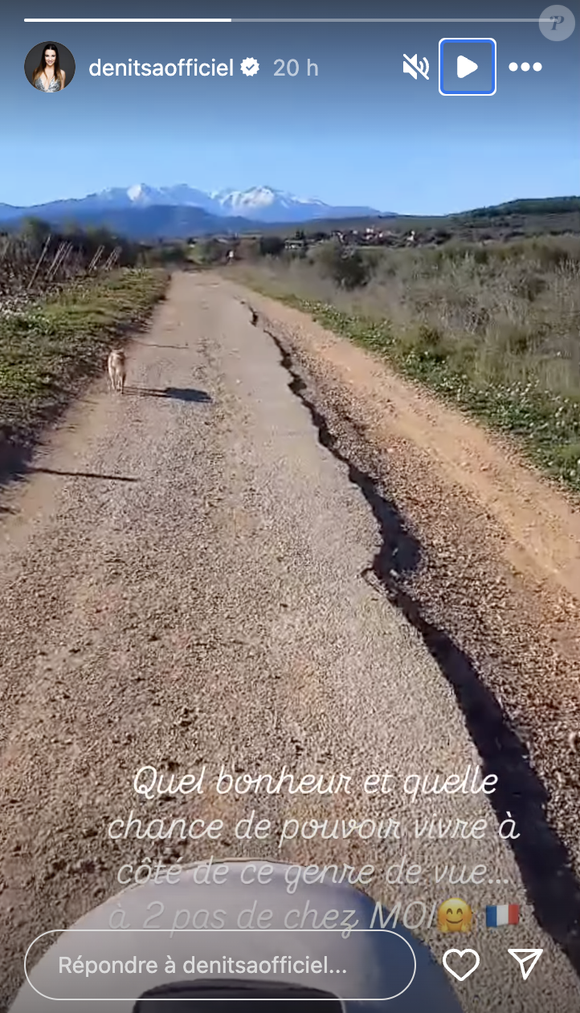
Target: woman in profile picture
[(48, 76)]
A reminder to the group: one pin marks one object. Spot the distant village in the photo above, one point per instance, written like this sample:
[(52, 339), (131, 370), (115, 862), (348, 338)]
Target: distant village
[(369, 236), (427, 233), (302, 241)]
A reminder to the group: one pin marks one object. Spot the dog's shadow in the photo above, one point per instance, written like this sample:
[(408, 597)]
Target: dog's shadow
[(177, 393)]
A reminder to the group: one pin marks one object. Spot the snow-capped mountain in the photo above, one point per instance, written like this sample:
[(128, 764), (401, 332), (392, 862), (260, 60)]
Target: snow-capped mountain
[(144, 212), (264, 203), (142, 195), (258, 204)]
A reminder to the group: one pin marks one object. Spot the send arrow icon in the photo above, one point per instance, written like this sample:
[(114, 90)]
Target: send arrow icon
[(527, 959), (465, 66)]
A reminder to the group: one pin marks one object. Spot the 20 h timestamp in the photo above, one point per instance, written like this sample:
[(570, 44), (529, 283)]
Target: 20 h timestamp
[(292, 68)]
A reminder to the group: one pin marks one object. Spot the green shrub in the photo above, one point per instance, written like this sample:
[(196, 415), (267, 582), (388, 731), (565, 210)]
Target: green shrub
[(346, 266), (271, 246), (493, 328)]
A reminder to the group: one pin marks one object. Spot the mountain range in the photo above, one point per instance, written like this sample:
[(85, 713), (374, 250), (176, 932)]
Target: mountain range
[(142, 211)]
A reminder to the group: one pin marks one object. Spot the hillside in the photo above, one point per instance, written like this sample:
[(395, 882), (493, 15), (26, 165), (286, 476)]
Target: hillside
[(151, 222), (555, 215), (141, 223), (538, 206), (135, 210)]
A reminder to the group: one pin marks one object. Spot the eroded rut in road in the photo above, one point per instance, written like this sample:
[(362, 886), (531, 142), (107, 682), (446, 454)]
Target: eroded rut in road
[(520, 792)]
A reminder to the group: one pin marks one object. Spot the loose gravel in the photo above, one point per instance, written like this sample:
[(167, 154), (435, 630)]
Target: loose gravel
[(200, 572)]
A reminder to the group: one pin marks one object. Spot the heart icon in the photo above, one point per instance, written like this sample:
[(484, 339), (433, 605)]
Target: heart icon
[(461, 953)]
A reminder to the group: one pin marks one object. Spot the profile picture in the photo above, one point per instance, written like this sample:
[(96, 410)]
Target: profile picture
[(49, 67)]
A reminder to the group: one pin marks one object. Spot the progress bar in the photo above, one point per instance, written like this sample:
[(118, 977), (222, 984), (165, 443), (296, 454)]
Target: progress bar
[(118, 21), (275, 21)]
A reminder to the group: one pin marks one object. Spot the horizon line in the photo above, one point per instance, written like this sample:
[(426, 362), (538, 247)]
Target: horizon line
[(375, 213)]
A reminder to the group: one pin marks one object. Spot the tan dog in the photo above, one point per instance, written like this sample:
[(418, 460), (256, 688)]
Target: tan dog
[(117, 370)]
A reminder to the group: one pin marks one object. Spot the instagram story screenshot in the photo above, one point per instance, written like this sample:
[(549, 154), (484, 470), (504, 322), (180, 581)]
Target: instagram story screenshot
[(290, 506)]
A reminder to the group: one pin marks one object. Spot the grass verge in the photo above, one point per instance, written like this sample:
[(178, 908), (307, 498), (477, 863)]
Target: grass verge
[(544, 420), (48, 349)]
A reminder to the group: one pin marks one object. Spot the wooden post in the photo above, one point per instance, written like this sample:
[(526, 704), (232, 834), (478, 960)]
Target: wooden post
[(93, 264), (39, 262)]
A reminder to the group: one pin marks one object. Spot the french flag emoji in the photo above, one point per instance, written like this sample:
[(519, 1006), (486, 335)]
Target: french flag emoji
[(502, 914)]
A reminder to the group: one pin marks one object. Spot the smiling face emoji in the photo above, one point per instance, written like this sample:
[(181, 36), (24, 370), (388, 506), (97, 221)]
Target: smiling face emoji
[(454, 916)]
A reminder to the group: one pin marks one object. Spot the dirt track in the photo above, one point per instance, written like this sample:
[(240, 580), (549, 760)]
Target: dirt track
[(272, 552)]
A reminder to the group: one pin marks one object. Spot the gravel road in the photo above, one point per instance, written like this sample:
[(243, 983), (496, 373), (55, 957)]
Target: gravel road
[(185, 579)]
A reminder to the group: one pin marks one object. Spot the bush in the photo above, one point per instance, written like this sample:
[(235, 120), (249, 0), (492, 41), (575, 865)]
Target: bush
[(35, 232), (347, 267), (271, 246), (248, 248), (209, 251)]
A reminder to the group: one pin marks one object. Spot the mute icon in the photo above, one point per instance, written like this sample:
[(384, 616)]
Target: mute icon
[(411, 65)]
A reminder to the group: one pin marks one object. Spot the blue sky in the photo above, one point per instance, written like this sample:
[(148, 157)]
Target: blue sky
[(359, 133)]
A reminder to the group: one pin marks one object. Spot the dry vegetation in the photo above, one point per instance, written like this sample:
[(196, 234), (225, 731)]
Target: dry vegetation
[(65, 297), (47, 347), (494, 327)]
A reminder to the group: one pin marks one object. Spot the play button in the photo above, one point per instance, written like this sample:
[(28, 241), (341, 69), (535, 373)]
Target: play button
[(474, 59), (465, 66)]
